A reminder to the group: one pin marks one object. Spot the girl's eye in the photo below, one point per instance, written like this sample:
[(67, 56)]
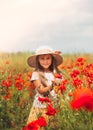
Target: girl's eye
[(42, 58), (48, 58), (45, 58)]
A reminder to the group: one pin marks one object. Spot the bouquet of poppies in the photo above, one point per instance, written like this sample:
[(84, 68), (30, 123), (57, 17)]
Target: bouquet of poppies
[(59, 85)]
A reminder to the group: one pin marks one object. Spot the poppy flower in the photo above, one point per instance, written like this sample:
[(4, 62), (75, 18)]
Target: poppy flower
[(82, 98), (44, 99), (62, 88), (59, 76), (32, 126), (75, 73), (35, 125), (41, 121), (50, 110)]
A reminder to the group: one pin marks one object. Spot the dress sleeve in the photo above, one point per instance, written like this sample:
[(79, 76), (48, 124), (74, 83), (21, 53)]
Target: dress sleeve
[(34, 76)]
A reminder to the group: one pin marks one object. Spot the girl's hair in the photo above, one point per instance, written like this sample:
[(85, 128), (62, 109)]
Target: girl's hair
[(53, 66)]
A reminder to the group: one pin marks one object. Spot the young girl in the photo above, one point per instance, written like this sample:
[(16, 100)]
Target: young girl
[(45, 62)]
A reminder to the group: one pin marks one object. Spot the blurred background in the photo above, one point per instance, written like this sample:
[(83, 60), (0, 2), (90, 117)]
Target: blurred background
[(65, 25)]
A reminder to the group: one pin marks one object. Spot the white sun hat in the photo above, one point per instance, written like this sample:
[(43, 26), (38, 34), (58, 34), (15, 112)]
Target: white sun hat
[(41, 51)]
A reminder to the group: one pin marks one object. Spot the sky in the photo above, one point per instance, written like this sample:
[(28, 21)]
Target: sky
[(65, 25)]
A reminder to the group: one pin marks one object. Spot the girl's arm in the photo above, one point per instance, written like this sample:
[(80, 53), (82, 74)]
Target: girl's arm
[(41, 89)]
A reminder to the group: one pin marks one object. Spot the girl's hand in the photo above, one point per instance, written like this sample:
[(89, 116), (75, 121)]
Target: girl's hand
[(50, 88), (57, 82)]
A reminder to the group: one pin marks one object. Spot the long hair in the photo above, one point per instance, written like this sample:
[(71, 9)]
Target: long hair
[(53, 68)]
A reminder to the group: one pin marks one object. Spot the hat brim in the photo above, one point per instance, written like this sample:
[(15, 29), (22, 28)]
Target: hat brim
[(32, 60)]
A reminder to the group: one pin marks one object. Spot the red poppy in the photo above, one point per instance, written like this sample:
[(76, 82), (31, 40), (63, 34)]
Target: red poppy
[(44, 99), (85, 102), (75, 73), (82, 98), (62, 87), (59, 76), (32, 126), (77, 82), (8, 96), (80, 59), (35, 125), (50, 110), (6, 83), (18, 85), (41, 121)]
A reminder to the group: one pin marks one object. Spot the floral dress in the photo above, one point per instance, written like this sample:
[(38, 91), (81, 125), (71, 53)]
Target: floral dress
[(39, 108)]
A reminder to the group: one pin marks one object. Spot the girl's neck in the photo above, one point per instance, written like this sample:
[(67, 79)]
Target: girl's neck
[(46, 70)]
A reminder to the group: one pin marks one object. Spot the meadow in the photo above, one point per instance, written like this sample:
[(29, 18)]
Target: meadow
[(74, 109)]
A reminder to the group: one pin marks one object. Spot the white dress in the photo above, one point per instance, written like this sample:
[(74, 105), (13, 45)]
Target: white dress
[(50, 77), (39, 108)]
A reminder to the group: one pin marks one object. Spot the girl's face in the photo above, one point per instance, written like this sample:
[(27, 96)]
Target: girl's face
[(45, 61)]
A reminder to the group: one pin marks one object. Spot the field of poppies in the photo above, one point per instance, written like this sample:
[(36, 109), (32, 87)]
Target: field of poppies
[(74, 108)]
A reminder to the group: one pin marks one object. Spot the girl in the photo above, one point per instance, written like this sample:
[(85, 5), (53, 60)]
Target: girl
[(45, 62)]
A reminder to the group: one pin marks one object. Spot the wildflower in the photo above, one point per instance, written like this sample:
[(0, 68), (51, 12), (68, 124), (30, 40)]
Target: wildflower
[(62, 88), (41, 121), (75, 73), (59, 76), (81, 60), (18, 85), (82, 98), (77, 82), (90, 75), (8, 96), (50, 110), (44, 99), (32, 126), (35, 125), (7, 62), (6, 83)]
